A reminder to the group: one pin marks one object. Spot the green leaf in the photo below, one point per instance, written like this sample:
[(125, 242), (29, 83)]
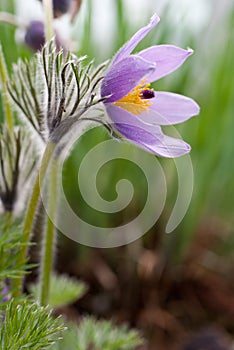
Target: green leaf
[(10, 248), (95, 334), (63, 290), (28, 326)]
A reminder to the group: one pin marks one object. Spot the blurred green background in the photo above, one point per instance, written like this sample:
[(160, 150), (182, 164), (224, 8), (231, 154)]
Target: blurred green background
[(207, 27)]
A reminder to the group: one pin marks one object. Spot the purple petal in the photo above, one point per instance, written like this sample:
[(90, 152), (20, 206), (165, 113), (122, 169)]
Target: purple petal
[(124, 76), (167, 109), (146, 136), (135, 39), (121, 116), (167, 57), (150, 117), (172, 108), (170, 147)]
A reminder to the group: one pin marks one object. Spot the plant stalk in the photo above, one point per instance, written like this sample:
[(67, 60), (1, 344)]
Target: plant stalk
[(5, 96), (48, 8), (49, 236), (31, 213)]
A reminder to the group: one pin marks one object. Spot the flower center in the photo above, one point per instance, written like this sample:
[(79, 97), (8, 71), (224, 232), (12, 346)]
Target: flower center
[(137, 100)]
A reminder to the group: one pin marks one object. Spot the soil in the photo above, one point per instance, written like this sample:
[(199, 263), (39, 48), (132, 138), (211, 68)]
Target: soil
[(183, 306)]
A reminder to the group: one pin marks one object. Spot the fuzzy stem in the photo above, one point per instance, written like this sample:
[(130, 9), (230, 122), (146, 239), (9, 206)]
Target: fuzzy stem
[(49, 238), (31, 213), (5, 96), (48, 7), (12, 19), (9, 219)]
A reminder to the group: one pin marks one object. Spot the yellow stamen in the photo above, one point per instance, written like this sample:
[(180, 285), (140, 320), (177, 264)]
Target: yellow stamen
[(133, 101)]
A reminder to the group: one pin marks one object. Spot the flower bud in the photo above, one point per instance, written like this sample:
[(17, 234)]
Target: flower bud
[(60, 7), (35, 35)]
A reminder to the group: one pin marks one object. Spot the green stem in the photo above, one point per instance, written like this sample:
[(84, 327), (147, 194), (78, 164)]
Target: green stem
[(30, 214), (9, 220), (5, 96), (49, 32), (50, 235)]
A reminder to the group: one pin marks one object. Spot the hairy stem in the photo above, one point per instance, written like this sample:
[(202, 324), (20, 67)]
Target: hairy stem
[(31, 214), (48, 7), (49, 236), (12, 19), (5, 96)]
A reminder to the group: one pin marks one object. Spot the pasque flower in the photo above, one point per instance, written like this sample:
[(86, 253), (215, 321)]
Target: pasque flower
[(136, 110)]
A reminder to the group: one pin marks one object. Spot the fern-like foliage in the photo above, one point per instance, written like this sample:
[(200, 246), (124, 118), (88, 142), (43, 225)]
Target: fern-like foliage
[(10, 248), (28, 326), (63, 290), (53, 86), (98, 334)]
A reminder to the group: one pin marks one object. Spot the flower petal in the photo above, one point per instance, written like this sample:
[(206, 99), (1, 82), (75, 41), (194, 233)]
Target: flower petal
[(126, 49), (167, 57), (150, 117), (167, 109), (146, 136), (121, 116), (171, 108), (170, 147), (123, 76)]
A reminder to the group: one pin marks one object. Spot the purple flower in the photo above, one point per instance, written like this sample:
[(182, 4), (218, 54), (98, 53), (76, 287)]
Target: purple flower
[(60, 7), (135, 109), (35, 36)]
